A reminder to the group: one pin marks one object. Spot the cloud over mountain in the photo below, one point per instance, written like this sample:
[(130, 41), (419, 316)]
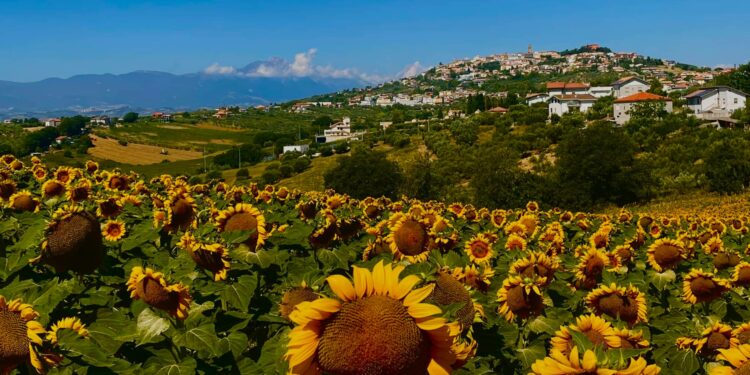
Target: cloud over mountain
[(302, 65)]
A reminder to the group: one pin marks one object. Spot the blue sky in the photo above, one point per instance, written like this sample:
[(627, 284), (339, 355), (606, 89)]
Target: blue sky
[(40, 39)]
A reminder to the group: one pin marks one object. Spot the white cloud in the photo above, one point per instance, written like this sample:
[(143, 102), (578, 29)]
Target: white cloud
[(303, 65), (215, 68), (412, 70)]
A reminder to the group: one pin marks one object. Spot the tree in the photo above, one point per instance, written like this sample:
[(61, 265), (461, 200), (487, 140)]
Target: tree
[(465, 132), (597, 165), (323, 121), (727, 165), (131, 117), (364, 173), (72, 126), (499, 182)]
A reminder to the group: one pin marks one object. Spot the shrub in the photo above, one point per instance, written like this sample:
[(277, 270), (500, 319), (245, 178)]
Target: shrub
[(326, 151), (242, 174), (195, 180), (365, 173), (213, 175), (122, 142), (270, 176), (300, 164), (286, 170)]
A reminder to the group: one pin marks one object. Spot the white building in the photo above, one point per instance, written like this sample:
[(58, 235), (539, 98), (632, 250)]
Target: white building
[(296, 148), (720, 101), (52, 122), (562, 104), (600, 91), (536, 98), (339, 131), (622, 106), (627, 86)]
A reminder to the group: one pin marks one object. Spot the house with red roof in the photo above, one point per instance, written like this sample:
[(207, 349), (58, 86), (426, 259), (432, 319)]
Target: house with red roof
[(567, 88), (622, 106)]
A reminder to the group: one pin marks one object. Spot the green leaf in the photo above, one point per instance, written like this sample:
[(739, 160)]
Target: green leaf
[(582, 342), (531, 354), (239, 293), (663, 279), (684, 362), (201, 339), (111, 329), (543, 324), (88, 351), (150, 325)]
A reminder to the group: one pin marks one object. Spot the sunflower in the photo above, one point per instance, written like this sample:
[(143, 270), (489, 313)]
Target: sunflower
[(559, 363), (212, 257), (73, 324), (741, 275), (181, 212), (713, 338), (40, 174), (152, 288), (498, 218), (515, 227), (726, 259), (520, 297), (625, 253), (53, 188), (713, 245), (64, 175), (473, 277), (7, 159), (113, 230), (479, 249), (627, 304), (530, 223), (590, 268), (738, 358), (244, 217), (21, 336), (515, 242), (117, 182), (450, 291), (535, 264), (294, 297), (73, 242), (700, 286), (665, 254), (378, 324), (91, 166), (409, 239), (596, 329), (631, 339), (109, 208), (23, 201), (742, 333), (80, 191)]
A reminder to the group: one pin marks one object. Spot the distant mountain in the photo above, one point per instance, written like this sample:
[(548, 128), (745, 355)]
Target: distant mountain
[(150, 90)]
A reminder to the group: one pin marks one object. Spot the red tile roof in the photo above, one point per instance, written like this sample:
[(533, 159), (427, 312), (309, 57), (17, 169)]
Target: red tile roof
[(643, 97), (575, 97), (498, 110), (566, 85)]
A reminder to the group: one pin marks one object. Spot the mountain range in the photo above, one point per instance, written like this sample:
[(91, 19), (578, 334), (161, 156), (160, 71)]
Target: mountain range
[(153, 90)]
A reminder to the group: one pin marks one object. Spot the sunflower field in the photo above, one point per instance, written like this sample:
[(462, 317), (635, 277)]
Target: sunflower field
[(103, 272)]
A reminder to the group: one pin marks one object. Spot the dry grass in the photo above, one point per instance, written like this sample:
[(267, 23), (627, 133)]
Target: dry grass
[(134, 153)]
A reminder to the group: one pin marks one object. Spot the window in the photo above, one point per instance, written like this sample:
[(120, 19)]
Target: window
[(736, 100)]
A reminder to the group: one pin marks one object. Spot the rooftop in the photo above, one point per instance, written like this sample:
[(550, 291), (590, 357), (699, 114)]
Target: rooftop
[(643, 97)]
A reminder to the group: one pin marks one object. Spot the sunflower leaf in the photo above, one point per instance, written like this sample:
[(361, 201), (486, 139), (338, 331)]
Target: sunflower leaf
[(239, 293), (150, 326), (201, 339), (530, 354)]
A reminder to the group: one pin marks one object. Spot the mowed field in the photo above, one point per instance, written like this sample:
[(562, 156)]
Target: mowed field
[(206, 136), (138, 154)]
